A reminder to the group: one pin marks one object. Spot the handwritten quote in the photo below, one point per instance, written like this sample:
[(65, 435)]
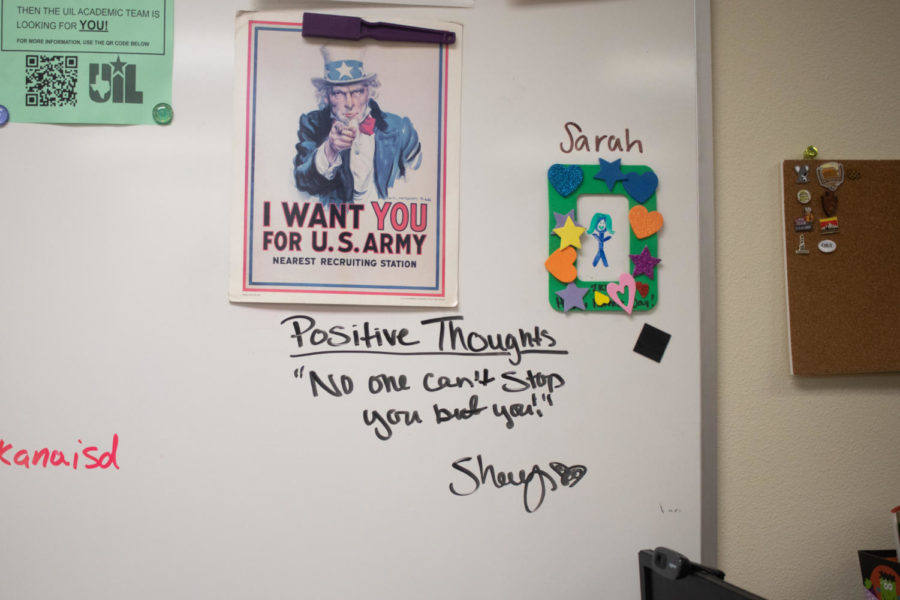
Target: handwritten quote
[(509, 395)]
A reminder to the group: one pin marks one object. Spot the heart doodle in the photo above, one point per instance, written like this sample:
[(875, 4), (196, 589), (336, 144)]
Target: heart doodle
[(644, 223), (565, 179), (626, 283), (561, 264), (641, 186), (642, 288), (600, 299), (568, 476)]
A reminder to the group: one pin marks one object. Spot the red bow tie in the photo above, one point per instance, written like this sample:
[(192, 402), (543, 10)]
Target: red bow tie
[(368, 125)]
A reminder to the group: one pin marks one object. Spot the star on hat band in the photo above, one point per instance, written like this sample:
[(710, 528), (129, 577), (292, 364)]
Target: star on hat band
[(343, 70)]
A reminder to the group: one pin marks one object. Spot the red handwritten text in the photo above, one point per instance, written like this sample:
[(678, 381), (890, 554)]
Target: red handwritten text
[(45, 457)]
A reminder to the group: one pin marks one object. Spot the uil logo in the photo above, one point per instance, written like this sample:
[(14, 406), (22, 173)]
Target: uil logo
[(116, 80)]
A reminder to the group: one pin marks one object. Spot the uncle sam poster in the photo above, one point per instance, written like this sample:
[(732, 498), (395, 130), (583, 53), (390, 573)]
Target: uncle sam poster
[(347, 167)]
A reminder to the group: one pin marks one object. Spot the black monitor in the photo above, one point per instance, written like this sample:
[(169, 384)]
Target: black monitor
[(668, 575)]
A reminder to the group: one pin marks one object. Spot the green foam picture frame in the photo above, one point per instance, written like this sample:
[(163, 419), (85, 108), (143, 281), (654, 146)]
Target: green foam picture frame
[(557, 203)]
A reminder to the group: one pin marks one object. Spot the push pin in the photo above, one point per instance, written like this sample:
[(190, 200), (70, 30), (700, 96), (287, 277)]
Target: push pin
[(810, 153), (4, 115), (162, 113)]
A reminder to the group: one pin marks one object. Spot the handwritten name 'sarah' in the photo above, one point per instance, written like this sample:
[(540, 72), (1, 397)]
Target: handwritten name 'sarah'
[(577, 140)]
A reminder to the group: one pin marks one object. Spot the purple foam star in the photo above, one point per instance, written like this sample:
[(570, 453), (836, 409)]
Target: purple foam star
[(561, 218), (611, 172), (644, 263), (573, 297)]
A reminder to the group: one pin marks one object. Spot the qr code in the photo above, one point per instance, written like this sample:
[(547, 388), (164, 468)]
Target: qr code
[(50, 80)]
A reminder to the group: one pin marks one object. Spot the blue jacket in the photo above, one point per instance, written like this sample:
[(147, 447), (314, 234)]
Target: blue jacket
[(397, 149)]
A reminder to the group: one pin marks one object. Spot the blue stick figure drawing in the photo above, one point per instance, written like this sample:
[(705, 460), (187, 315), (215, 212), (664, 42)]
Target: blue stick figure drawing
[(601, 228)]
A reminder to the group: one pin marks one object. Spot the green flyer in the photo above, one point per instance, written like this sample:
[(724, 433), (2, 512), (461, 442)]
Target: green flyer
[(86, 61)]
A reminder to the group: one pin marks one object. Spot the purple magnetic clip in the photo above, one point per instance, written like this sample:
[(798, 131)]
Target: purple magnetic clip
[(353, 28)]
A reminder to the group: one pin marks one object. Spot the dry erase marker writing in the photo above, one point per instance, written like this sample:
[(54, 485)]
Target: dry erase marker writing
[(536, 482), (11, 456)]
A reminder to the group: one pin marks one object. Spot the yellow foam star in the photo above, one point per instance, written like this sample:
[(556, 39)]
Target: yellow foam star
[(569, 234), (600, 298)]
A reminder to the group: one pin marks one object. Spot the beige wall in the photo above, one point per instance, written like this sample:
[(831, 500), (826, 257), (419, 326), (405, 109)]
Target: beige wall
[(808, 467)]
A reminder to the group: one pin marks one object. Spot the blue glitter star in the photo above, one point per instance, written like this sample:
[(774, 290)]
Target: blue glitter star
[(611, 172)]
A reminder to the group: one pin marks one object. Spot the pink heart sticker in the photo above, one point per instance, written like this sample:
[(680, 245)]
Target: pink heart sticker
[(626, 283)]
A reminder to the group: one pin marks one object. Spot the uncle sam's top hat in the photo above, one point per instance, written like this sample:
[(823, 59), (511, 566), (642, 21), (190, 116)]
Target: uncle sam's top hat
[(343, 65)]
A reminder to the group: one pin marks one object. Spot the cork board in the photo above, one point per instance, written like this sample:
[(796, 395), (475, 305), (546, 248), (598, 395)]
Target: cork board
[(842, 304)]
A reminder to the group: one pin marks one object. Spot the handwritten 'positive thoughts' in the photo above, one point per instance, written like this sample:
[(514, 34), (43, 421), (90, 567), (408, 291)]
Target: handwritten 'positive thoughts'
[(84, 457), (445, 334)]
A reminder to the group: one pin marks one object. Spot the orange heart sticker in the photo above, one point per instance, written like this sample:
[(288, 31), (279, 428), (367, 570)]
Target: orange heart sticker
[(644, 223), (561, 264)]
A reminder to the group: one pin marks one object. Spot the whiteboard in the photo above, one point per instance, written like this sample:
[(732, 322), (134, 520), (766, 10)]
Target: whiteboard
[(232, 478)]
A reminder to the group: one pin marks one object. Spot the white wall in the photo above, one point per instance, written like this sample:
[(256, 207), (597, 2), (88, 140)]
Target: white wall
[(808, 468)]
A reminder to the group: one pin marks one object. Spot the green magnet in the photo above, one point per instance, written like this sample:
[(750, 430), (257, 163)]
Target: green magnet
[(162, 113)]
